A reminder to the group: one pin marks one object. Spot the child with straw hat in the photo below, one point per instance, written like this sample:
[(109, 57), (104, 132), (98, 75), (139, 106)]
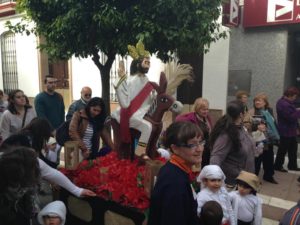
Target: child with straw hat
[(247, 207)]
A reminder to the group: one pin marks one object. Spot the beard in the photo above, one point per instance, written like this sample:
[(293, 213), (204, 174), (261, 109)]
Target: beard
[(142, 70)]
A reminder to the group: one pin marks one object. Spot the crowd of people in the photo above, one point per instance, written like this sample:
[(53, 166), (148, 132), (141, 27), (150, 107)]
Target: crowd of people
[(29, 152), (227, 153)]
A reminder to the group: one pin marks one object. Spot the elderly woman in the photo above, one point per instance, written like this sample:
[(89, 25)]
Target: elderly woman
[(262, 109), (232, 146), (172, 200), (201, 118)]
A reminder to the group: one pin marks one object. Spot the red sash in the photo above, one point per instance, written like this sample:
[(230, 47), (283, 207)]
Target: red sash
[(125, 114)]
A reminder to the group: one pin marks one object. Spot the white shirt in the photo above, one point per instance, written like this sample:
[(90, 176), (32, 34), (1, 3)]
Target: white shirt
[(222, 198), (11, 123), (246, 208), (55, 176), (88, 135)]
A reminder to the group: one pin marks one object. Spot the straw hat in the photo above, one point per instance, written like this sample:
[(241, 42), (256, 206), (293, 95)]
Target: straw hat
[(251, 179)]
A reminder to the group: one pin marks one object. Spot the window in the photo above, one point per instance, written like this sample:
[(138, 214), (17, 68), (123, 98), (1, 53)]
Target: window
[(9, 62)]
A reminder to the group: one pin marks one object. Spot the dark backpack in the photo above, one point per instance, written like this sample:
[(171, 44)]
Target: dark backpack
[(62, 133)]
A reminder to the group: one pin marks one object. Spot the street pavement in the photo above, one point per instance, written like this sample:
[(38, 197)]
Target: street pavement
[(278, 198)]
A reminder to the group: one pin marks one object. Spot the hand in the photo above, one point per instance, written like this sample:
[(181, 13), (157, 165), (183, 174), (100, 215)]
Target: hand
[(55, 187), (86, 154), (87, 193), (121, 70)]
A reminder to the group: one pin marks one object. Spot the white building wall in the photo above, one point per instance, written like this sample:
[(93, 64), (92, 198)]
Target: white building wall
[(27, 60), (85, 73), (27, 64), (215, 74)]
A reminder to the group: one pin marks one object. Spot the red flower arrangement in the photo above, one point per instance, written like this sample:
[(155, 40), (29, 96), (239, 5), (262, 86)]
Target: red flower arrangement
[(113, 179)]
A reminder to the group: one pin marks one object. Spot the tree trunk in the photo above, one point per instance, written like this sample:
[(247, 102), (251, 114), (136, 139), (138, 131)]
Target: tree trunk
[(105, 76), (187, 92)]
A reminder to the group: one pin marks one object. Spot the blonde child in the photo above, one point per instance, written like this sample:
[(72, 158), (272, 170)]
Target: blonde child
[(53, 214), (212, 182), (247, 207)]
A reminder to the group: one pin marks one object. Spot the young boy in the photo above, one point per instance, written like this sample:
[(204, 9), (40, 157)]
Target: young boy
[(212, 182), (247, 207), (211, 213), (53, 214)]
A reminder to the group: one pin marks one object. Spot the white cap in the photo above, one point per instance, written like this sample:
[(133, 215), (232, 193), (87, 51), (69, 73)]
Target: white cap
[(51, 141), (211, 172), (56, 208)]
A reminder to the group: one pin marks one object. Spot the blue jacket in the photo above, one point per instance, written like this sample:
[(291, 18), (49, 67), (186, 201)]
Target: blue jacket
[(75, 106)]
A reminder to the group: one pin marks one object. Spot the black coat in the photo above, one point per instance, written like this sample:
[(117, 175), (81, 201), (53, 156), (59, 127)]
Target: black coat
[(172, 201)]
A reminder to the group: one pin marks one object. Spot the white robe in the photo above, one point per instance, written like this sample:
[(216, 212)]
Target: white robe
[(127, 89), (247, 208), (222, 198)]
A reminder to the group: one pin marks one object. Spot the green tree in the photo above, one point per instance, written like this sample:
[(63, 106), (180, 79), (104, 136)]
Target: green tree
[(85, 27)]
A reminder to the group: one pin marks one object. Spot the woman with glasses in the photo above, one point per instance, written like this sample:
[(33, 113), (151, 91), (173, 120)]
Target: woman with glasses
[(173, 198), (87, 126), (18, 114), (232, 146)]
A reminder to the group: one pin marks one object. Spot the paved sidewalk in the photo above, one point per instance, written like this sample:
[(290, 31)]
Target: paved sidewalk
[(278, 198)]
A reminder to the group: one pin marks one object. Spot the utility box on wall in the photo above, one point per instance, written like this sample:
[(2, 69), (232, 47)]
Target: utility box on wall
[(239, 80)]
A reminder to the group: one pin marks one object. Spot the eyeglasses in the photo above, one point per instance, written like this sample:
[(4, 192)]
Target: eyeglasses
[(192, 146), (87, 95)]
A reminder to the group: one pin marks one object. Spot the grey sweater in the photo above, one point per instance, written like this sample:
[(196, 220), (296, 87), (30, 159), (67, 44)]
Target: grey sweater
[(231, 161)]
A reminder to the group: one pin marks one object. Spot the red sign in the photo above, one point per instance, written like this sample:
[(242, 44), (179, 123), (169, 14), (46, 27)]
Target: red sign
[(271, 12), (230, 16)]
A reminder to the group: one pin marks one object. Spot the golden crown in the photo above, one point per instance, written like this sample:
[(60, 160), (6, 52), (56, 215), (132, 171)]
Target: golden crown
[(138, 51)]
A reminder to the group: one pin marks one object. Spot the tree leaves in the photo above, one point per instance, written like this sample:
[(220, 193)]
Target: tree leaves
[(79, 26)]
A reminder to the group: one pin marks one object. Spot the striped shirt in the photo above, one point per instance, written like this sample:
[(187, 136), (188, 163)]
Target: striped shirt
[(88, 135)]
